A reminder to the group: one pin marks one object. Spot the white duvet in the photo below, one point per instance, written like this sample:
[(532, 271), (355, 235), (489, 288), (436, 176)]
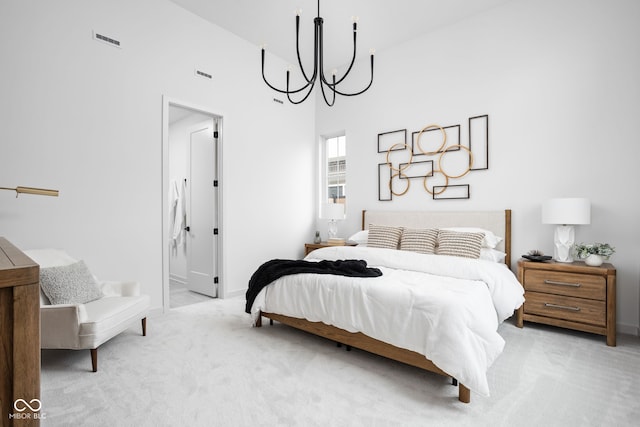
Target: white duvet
[(446, 308)]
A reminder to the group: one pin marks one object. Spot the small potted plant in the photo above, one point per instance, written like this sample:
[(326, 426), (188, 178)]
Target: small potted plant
[(594, 253)]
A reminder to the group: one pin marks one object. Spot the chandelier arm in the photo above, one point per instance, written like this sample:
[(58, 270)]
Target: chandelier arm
[(353, 60), (363, 90), (330, 104), (312, 84), (298, 50), (280, 90)]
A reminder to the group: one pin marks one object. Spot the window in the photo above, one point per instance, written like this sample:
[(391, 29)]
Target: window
[(336, 169)]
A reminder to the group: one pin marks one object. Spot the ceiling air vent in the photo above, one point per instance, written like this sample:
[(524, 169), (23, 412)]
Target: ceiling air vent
[(106, 39), (202, 74)]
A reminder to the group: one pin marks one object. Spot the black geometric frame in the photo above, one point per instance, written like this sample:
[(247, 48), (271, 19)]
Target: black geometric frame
[(439, 190), (402, 135), (478, 139), (404, 174), (389, 197), (480, 162)]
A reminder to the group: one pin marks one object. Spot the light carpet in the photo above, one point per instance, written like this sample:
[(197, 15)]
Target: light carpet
[(204, 365)]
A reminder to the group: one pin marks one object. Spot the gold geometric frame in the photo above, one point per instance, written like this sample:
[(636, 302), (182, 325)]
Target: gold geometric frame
[(444, 187), (399, 177), (463, 173), (444, 140), (392, 148), (417, 150)]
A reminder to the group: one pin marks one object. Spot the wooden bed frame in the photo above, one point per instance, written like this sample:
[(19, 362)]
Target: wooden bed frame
[(497, 221)]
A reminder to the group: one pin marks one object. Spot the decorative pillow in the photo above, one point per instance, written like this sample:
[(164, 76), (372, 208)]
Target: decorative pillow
[(69, 284), (360, 237), (382, 236), (419, 240), (455, 243), (492, 255), (489, 240)]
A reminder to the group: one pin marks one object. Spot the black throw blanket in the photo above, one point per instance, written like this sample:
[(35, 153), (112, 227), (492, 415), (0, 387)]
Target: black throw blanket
[(276, 268)]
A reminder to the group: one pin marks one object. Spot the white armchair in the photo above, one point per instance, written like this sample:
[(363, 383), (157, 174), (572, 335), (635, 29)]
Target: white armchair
[(88, 325)]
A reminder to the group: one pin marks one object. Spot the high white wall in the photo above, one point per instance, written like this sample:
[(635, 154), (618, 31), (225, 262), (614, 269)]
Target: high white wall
[(86, 118), (559, 81)]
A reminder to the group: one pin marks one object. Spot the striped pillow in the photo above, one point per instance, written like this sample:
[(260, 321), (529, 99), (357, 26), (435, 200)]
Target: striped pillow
[(455, 243), (419, 240), (382, 236)]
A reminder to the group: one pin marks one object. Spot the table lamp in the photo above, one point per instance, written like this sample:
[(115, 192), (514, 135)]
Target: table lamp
[(332, 212), (565, 213)]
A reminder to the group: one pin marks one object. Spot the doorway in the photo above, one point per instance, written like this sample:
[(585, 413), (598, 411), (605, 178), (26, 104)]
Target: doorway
[(191, 204)]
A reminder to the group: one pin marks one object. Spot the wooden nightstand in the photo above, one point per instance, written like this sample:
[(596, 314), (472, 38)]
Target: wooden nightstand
[(570, 295), (309, 247)]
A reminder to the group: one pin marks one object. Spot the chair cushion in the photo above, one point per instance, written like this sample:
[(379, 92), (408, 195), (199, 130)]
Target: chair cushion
[(69, 284), (108, 316)]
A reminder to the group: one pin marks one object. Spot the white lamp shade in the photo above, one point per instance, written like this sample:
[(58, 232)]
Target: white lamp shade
[(332, 211), (566, 211)]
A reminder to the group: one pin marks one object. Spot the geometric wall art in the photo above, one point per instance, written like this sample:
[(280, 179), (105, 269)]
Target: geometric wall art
[(479, 141), (434, 160)]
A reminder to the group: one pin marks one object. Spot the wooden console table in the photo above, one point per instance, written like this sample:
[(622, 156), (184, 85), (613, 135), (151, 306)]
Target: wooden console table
[(19, 337)]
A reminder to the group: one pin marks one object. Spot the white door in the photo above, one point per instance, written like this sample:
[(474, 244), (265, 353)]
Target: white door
[(202, 211)]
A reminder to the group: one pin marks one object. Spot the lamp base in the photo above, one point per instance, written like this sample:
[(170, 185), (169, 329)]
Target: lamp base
[(332, 228), (563, 238)]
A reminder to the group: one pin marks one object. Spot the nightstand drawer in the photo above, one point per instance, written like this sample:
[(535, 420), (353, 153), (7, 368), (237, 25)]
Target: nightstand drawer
[(569, 284), (566, 308)]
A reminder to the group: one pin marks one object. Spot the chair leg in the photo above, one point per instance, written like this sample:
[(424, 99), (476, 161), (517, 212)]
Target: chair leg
[(144, 327), (94, 359)]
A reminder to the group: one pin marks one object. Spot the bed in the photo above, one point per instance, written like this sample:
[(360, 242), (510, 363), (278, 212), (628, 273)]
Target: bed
[(436, 311)]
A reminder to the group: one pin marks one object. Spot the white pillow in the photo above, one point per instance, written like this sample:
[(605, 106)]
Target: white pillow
[(490, 240), (360, 237), (492, 255)]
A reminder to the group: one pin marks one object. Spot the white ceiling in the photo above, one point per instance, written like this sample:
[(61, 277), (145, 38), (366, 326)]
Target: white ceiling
[(382, 23)]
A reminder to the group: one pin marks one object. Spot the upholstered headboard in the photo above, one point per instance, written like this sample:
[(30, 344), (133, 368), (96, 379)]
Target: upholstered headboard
[(498, 222)]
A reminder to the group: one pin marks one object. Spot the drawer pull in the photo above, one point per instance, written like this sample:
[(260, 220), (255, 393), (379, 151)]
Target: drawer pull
[(553, 282), (563, 307)]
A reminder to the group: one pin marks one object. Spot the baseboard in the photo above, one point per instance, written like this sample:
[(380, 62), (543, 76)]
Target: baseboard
[(628, 330), (233, 294), (155, 312), (174, 279)]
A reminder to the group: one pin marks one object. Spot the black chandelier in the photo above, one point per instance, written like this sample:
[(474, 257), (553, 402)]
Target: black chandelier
[(318, 64)]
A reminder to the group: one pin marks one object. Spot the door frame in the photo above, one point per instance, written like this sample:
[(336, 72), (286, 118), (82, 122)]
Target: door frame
[(166, 102)]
